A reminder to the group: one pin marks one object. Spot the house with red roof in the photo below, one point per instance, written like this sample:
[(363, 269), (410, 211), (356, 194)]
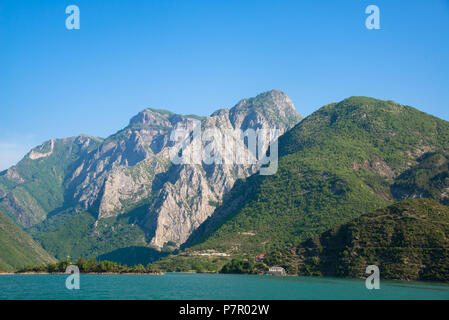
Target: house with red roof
[(260, 257)]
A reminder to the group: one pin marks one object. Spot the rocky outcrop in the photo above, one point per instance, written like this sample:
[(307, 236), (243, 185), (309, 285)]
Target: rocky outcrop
[(34, 155)]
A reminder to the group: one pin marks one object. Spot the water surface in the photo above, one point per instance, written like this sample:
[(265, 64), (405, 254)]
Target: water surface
[(211, 286)]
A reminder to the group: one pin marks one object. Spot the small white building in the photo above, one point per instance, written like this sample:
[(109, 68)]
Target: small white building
[(278, 271)]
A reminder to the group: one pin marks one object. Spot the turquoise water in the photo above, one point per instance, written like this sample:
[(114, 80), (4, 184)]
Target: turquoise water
[(211, 286)]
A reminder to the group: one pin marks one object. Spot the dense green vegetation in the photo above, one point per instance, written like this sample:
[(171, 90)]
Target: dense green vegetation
[(75, 233), (17, 248), (247, 266), (89, 266), (408, 240), (187, 263), (428, 179), (335, 165)]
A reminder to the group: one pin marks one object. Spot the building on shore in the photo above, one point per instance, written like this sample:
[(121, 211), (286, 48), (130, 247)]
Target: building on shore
[(277, 271)]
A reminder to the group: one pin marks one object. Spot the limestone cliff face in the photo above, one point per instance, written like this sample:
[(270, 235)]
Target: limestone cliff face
[(192, 192), (112, 176), (120, 172)]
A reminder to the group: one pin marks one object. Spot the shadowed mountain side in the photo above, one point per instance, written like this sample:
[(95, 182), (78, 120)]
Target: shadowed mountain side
[(133, 255), (408, 240), (17, 248), (428, 179)]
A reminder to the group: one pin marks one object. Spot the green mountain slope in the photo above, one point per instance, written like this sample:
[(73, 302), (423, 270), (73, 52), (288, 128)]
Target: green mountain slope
[(75, 233), (337, 164), (428, 179), (408, 240), (36, 186), (17, 248)]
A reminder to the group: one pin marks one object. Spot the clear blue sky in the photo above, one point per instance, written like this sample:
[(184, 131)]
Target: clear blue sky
[(196, 56)]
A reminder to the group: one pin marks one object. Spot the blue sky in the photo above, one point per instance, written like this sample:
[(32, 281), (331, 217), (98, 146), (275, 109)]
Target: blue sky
[(196, 56)]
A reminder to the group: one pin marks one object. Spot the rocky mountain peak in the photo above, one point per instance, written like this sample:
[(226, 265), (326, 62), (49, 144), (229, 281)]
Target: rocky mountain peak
[(152, 117), (160, 118), (273, 99), (272, 109)]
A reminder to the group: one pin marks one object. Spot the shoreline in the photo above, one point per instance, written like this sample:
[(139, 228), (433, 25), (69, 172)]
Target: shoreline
[(5, 273), (2, 273)]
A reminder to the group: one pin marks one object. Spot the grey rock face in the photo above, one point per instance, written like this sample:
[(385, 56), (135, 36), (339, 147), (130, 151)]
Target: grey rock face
[(189, 197), (134, 165)]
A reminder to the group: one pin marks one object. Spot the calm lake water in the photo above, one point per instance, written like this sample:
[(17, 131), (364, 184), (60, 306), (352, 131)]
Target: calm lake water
[(211, 286)]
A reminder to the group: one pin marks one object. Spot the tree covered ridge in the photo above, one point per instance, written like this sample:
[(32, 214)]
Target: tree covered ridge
[(17, 248), (90, 266), (408, 240), (428, 179)]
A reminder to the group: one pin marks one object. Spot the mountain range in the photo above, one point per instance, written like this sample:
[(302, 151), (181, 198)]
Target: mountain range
[(122, 199)]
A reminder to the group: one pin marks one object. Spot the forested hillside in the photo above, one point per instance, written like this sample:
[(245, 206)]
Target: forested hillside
[(17, 248)]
